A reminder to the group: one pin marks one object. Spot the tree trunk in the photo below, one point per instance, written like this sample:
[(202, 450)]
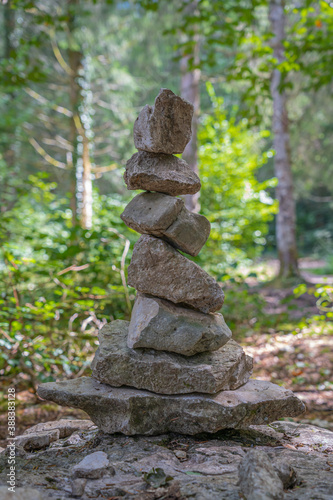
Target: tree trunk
[(79, 164), (75, 63), (87, 201), (9, 27), (286, 217), (190, 90)]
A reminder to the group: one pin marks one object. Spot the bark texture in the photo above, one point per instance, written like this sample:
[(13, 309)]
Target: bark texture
[(190, 81), (9, 28), (79, 164), (286, 218)]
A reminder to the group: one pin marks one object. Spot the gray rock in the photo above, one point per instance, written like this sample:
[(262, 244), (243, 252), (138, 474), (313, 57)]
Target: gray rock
[(306, 437), (257, 478), (37, 441), (162, 173), (21, 494), (78, 486), (164, 127), (189, 232), (167, 373), (66, 427), (131, 411), (159, 324), (286, 473), (158, 269), (167, 217), (93, 466), (210, 471), (152, 212), (180, 454)]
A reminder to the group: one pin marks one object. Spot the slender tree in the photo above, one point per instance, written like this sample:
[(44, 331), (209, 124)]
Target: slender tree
[(190, 90), (286, 217), (9, 27), (80, 164)]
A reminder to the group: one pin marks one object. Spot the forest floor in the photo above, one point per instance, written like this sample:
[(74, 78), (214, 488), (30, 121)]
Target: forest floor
[(291, 344), (297, 351)]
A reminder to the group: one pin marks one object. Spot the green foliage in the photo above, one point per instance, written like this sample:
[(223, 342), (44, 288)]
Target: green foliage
[(236, 203), (310, 42), (59, 283), (324, 296)]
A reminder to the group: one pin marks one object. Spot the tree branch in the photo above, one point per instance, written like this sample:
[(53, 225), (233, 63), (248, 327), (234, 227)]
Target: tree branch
[(45, 155), (42, 100)]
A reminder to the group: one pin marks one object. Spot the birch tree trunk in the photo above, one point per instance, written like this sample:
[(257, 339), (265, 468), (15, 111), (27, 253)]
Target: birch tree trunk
[(190, 90), (80, 164), (286, 218)]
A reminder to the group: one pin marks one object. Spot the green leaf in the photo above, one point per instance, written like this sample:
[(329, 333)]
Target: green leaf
[(156, 477)]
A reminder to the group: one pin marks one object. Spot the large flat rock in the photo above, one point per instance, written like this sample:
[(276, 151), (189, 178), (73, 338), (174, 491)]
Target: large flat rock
[(131, 411), (158, 269), (167, 217), (202, 468), (160, 324), (166, 126), (162, 173), (167, 373)]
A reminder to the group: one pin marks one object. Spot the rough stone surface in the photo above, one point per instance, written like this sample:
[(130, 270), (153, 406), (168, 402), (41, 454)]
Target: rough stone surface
[(162, 173), (131, 411), (152, 212), (167, 373), (164, 127), (158, 269), (65, 426), (37, 441), (303, 436), (258, 479), (21, 494), (286, 473), (78, 486), (93, 466), (189, 232), (167, 217), (209, 471), (159, 324)]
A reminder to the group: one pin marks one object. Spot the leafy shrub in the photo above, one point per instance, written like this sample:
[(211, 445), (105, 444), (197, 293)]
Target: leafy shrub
[(58, 283), (236, 203)]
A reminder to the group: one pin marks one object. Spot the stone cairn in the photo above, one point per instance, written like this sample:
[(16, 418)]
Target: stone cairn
[(174, 366)]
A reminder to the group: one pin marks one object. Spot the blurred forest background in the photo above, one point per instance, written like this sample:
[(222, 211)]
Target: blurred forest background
[(74, 75)]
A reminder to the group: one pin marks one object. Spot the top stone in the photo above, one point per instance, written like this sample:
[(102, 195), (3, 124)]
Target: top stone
[(164, 127)]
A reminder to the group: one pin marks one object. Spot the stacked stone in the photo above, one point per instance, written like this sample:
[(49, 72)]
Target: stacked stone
[(174, 366), (206, 360)]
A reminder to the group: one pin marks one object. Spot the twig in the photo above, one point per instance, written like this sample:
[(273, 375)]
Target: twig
[(45, 155), (122, 274)]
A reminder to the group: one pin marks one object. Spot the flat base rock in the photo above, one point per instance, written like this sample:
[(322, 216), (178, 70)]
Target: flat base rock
[(131, 411), (167, 217), (160, 324), (158, 269), (162, 173), (167, 373)]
